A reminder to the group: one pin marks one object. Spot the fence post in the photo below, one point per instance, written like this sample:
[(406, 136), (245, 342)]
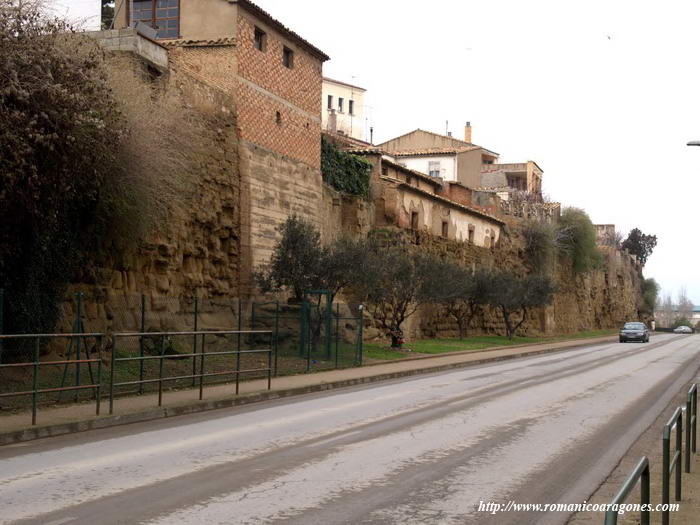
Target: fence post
[(276, 334), (360, 340), (688, 425), (676, 419), (302, 330), (111, 374), (238, 340), (79, 327), (98, 392), (693, 399), (141, 341), (160, 370), (35, 379), (201, 368), (194, 340), (306, 309), (641, 472), (2, 318), (337, 332), (329, 326)]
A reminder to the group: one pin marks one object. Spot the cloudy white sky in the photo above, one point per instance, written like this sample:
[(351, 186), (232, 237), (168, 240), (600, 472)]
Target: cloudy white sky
[(602, 94)]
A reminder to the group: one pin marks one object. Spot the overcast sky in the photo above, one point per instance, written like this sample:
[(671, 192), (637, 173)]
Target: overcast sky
[(602, 95)]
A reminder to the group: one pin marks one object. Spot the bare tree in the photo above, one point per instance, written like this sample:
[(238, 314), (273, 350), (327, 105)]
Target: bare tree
[(664, 312), (685, 305)]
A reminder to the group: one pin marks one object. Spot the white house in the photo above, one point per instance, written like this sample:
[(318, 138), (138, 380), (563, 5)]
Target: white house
[(343, 108)]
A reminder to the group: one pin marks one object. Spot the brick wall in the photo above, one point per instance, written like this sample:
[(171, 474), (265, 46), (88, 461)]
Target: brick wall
[(300, 85), (279, 107), (213, 65)]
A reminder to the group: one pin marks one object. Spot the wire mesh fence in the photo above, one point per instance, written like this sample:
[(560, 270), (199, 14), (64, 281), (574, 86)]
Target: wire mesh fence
[(304, 337), (310, 337)]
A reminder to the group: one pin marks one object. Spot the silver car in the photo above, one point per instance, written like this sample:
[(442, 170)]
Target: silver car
[(683, 330)]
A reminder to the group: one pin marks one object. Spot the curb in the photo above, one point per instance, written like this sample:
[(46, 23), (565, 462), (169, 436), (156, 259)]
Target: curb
[(98, 422)]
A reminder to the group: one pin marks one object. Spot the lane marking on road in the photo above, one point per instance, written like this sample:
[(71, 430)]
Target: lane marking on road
[(61, 521), (323, 442)]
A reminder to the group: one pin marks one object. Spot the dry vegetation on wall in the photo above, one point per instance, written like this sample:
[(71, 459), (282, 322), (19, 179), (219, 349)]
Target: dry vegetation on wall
[(91, 160), (157, 156)]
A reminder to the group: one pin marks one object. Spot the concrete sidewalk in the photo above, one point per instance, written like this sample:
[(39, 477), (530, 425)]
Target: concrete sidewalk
[(64, 419)]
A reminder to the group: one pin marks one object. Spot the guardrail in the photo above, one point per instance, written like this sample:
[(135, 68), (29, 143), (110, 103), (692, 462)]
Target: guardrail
[(199, 358), (641, 471), (691, 424), (36, 364), (669, 465)]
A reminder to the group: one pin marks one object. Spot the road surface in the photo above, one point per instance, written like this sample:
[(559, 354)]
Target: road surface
[(544, 429)]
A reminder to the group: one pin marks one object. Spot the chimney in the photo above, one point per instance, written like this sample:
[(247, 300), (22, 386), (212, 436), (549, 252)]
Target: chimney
[(468, 132), (332, 121)]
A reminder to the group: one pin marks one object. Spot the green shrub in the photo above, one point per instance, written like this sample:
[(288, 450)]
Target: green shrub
[(578, 236), (650, 292), (343, 171), (543, 241), (639, 244)]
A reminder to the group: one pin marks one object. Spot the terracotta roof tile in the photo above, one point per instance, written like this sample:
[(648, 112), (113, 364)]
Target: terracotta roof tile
[(228, 41), (434, 151)]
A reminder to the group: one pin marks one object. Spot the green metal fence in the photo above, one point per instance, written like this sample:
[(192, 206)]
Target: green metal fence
[(670, 465), (640, 472), (691, 424), (216, 355), (310, 336), (40, 340)]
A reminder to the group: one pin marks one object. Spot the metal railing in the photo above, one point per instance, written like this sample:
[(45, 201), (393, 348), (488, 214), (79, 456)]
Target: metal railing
[(36, 364), (691, 424), (640, 472), (199, 360), (669, 465)]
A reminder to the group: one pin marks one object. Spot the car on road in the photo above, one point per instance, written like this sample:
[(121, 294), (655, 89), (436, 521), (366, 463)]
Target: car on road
[(683, 330), (634, 331)]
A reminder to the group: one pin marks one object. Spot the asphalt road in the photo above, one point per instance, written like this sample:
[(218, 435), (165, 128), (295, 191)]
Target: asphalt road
[(544, 429)]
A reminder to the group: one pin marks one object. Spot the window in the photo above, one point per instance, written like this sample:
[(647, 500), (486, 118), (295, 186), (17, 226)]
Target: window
[(444, 229), (287, 57), (330, 101), (162, 15), (260, 39), (351, 107), (278, 118), (385, 171), (471, 234), (341, 100), (414, 220), (434, 168)]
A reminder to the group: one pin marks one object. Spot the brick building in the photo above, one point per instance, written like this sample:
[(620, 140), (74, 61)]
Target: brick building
[(275, 78)]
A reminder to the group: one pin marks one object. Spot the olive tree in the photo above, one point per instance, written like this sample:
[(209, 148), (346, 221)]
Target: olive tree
[(514, 296), (394, 284), (301, 262), (461, 292)]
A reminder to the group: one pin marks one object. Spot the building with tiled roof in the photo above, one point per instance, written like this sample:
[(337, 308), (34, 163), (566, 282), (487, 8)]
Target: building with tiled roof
[(460, 160), (272, 78), (442, 156)]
